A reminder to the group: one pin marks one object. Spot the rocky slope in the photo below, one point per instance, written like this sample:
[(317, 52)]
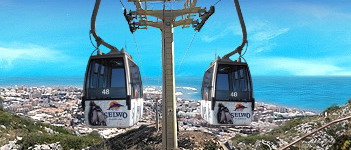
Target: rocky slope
[(146, 138), (337, 136), (23, 133)]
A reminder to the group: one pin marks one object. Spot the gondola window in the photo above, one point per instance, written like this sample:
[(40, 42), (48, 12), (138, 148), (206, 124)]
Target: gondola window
[(106, 75), (135, 82), (232, 83), (117, 78), (207, 84)]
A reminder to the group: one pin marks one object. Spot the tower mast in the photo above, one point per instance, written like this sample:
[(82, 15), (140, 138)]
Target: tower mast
[(166, 20)]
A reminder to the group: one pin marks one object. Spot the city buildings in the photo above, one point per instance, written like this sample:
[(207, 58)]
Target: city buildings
[(60, 106)]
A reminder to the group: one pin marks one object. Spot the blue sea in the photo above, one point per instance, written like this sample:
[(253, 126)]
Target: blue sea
[(306, 93)]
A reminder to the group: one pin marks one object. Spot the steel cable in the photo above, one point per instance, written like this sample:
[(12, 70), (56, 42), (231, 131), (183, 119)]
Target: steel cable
[(187, 51)]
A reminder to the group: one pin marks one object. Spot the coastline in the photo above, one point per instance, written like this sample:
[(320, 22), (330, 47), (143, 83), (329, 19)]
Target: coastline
[(60, 106), (43, 103), (183, 92), (304, 93)]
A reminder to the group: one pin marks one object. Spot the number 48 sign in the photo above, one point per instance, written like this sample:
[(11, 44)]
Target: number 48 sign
[(234, 94), (106, 91)]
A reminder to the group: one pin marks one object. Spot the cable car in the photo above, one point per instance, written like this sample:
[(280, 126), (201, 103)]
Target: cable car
[(113, 93), (227, 92), (112, 90)]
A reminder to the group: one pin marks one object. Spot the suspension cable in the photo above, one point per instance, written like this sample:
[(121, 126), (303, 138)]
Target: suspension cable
[(122, 4), (94, 51), (217, 2), (242, 55), (91, 41), (247, 45), (137, 49), (140, 58), (186, 52)]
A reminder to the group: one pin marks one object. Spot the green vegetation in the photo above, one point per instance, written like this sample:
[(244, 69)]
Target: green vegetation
[(287, 126), (341, 132), (327, 119), (343, 143), (35, 133), (211, 146), (251, 139), (1, 103), (67, 141), (332, 109)]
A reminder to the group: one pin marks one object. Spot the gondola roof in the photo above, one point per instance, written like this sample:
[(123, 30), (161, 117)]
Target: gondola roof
[(227, 61), (112, 54)]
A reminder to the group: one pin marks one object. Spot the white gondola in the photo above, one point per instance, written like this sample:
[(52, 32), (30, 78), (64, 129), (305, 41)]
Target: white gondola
[(113, 95), (227, 92)]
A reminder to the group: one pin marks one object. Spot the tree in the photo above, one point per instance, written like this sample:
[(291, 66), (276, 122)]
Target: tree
[(1, 103)]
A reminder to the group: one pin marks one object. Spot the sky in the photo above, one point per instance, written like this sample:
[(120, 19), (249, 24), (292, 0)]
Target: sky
[(286, 37)]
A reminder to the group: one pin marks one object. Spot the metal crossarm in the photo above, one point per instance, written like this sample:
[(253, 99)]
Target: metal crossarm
[(186, 14), (198, 26)]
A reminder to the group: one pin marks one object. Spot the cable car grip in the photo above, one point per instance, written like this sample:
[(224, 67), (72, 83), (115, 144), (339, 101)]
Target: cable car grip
[(244, 32), (204, 16)]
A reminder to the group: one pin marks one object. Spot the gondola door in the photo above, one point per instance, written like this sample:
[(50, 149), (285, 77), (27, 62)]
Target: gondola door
[(136, 91)]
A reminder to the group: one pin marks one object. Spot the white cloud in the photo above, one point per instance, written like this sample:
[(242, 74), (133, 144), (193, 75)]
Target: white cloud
[(298, 67), (218, 35), (261, 34), (29, 53), (318, 11), (269, 34)]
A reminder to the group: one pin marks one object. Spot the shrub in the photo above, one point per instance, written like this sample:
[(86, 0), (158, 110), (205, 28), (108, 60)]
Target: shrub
[(331, 109), (95, 134), (253, 138), (5, 119), (346, 145), (342, 142), (211, 146), (327, 119), (1, 104), (67, 141), (287, 126), (34, 133)]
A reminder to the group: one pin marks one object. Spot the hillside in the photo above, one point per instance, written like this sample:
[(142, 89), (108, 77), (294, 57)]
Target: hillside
[(337, 136), (146, 138), (28, 133)]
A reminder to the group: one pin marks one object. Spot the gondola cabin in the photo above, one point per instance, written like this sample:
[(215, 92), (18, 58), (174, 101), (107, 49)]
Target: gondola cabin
[(113, 93), (227, 94)]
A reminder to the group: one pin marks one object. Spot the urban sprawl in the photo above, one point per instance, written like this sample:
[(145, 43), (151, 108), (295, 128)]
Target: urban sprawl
[(61, 106)]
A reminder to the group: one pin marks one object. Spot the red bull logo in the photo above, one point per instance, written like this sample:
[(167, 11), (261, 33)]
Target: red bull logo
[(114, 105), (239, 107)]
